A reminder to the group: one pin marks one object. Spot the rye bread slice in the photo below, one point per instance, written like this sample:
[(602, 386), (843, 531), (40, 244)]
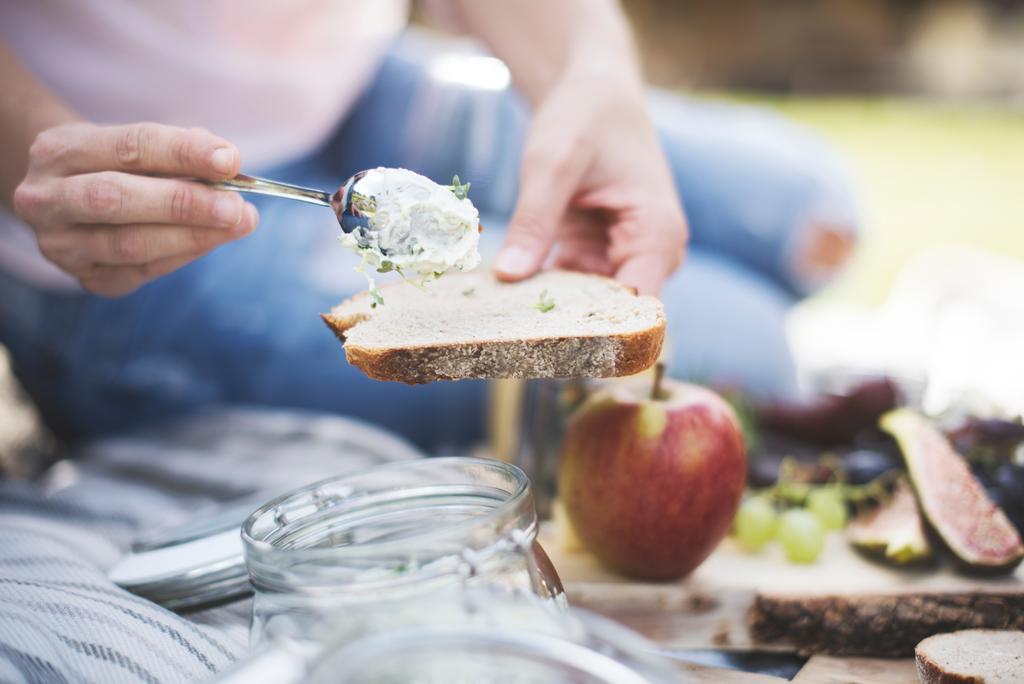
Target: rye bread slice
[(972, 656), (557, 324)]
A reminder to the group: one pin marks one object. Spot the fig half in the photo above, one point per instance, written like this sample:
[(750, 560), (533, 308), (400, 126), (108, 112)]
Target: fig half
[(952, 500), (894, 531)]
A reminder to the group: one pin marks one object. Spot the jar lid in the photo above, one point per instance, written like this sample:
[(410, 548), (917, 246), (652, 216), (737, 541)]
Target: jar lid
[(201, 563), (197, 564)]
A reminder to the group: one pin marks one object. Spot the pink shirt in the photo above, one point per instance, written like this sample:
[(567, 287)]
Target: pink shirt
[(273, 76)]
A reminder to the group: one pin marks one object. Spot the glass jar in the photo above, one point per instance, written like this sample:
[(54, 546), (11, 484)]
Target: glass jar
[(547, 406), (492, 637), (354, 547)]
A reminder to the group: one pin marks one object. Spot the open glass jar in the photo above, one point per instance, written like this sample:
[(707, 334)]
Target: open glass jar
[(489, 636), (357, 546)]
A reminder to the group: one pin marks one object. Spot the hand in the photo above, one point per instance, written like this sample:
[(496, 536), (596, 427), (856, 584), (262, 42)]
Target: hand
[(106, 208), (594, 179)]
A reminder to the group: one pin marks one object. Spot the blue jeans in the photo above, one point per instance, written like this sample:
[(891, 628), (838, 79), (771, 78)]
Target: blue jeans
[(241, 325)]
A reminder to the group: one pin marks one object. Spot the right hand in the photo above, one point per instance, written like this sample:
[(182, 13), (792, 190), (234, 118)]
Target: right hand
[(108, 205)]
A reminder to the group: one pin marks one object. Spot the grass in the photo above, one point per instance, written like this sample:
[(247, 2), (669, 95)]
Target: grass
[(929, 174)]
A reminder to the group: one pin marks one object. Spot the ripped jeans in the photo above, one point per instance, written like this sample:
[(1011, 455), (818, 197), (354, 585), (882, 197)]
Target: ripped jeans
[(771, 217)]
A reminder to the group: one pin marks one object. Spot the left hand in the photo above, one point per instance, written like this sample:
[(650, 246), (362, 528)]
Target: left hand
[(594, 180)]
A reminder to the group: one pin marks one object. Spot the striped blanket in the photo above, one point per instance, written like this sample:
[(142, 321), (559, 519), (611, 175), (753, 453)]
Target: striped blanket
[(62, 620)]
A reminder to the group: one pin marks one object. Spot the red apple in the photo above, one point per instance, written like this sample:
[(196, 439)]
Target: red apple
[(651, 479)]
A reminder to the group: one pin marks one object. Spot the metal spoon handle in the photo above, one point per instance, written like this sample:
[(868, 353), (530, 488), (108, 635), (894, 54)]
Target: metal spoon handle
[(262, 186)]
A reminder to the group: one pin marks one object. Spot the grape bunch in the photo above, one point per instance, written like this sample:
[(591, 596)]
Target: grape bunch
[(800, 530)]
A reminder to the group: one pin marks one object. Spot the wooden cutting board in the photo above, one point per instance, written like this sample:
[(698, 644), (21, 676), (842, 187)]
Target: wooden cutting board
[(818, 670), (828, 670), (843, 604), (702, 674)]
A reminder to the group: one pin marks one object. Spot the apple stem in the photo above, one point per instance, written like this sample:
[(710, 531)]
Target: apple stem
[(659, 375)]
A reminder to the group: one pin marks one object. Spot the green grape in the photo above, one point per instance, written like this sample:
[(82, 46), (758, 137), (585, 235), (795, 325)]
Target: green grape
[(755, 523), (829, 505), (801, 534)]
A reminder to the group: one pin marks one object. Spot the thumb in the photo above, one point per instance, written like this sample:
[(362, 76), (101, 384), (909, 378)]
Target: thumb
[(548, 184), (646, 273)]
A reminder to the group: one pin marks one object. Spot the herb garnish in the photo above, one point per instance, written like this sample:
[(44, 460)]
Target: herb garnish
[(469, 293), (385, 267), (460, 190), (364, 205), (544, 303), (377, 298)]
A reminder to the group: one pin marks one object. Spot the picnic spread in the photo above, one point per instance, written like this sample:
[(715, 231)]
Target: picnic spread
[(124, 561)]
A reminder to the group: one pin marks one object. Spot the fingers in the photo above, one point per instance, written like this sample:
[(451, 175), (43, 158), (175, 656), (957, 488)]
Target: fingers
[(583, 243), (645, 272), (108, 205), (588, 258), (123, 198), (646, 252), (139, 148), (142, 244), (114, 260), (551, 174)]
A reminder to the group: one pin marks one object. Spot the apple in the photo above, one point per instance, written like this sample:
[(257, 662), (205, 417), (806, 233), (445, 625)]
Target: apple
[(650, 479)]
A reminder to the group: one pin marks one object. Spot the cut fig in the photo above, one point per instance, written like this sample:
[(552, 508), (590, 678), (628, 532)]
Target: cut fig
[(894, 531), (952, 500), (831, 420)]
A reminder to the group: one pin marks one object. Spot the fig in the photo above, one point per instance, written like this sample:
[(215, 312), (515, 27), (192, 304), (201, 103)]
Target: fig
[(894, 531), (951, 498), (831, 420)]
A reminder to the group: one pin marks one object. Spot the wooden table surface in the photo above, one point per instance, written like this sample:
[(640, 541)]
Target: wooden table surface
[(711, 608)]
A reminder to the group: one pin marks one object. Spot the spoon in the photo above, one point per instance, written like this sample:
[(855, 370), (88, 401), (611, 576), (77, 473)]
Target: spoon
[(352, 209)]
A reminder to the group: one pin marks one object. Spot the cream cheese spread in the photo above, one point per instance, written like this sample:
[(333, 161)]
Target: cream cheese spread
[(415, 227)]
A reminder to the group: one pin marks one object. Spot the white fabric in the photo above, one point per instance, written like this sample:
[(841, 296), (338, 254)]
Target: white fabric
[(63, 620), (273, 77)]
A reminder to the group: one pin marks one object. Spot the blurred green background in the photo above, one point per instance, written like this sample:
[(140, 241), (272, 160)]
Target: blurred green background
[(924, 97), (929, 174)]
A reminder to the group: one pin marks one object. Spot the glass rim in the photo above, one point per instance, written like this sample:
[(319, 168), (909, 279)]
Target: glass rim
[(584, 642), (549, 652), (255, 544)]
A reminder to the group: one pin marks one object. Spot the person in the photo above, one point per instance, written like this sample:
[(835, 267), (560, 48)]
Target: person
[(129, 292)]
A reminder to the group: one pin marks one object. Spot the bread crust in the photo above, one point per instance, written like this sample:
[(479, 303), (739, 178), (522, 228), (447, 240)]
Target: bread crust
[(878, 625), (543, 357), (537, 357), (932, 671)]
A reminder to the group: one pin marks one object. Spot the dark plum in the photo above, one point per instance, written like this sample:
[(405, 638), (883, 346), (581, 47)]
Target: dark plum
[(996, 496), (1008, 493), (997, 430), (873, 439), (831, 420), (1010, 479), (984, 476), (863, 465), (763, 470), (988, 438)]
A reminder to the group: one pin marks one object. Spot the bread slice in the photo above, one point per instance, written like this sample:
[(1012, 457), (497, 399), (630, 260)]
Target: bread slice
[(469, 325), (972, 656)]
